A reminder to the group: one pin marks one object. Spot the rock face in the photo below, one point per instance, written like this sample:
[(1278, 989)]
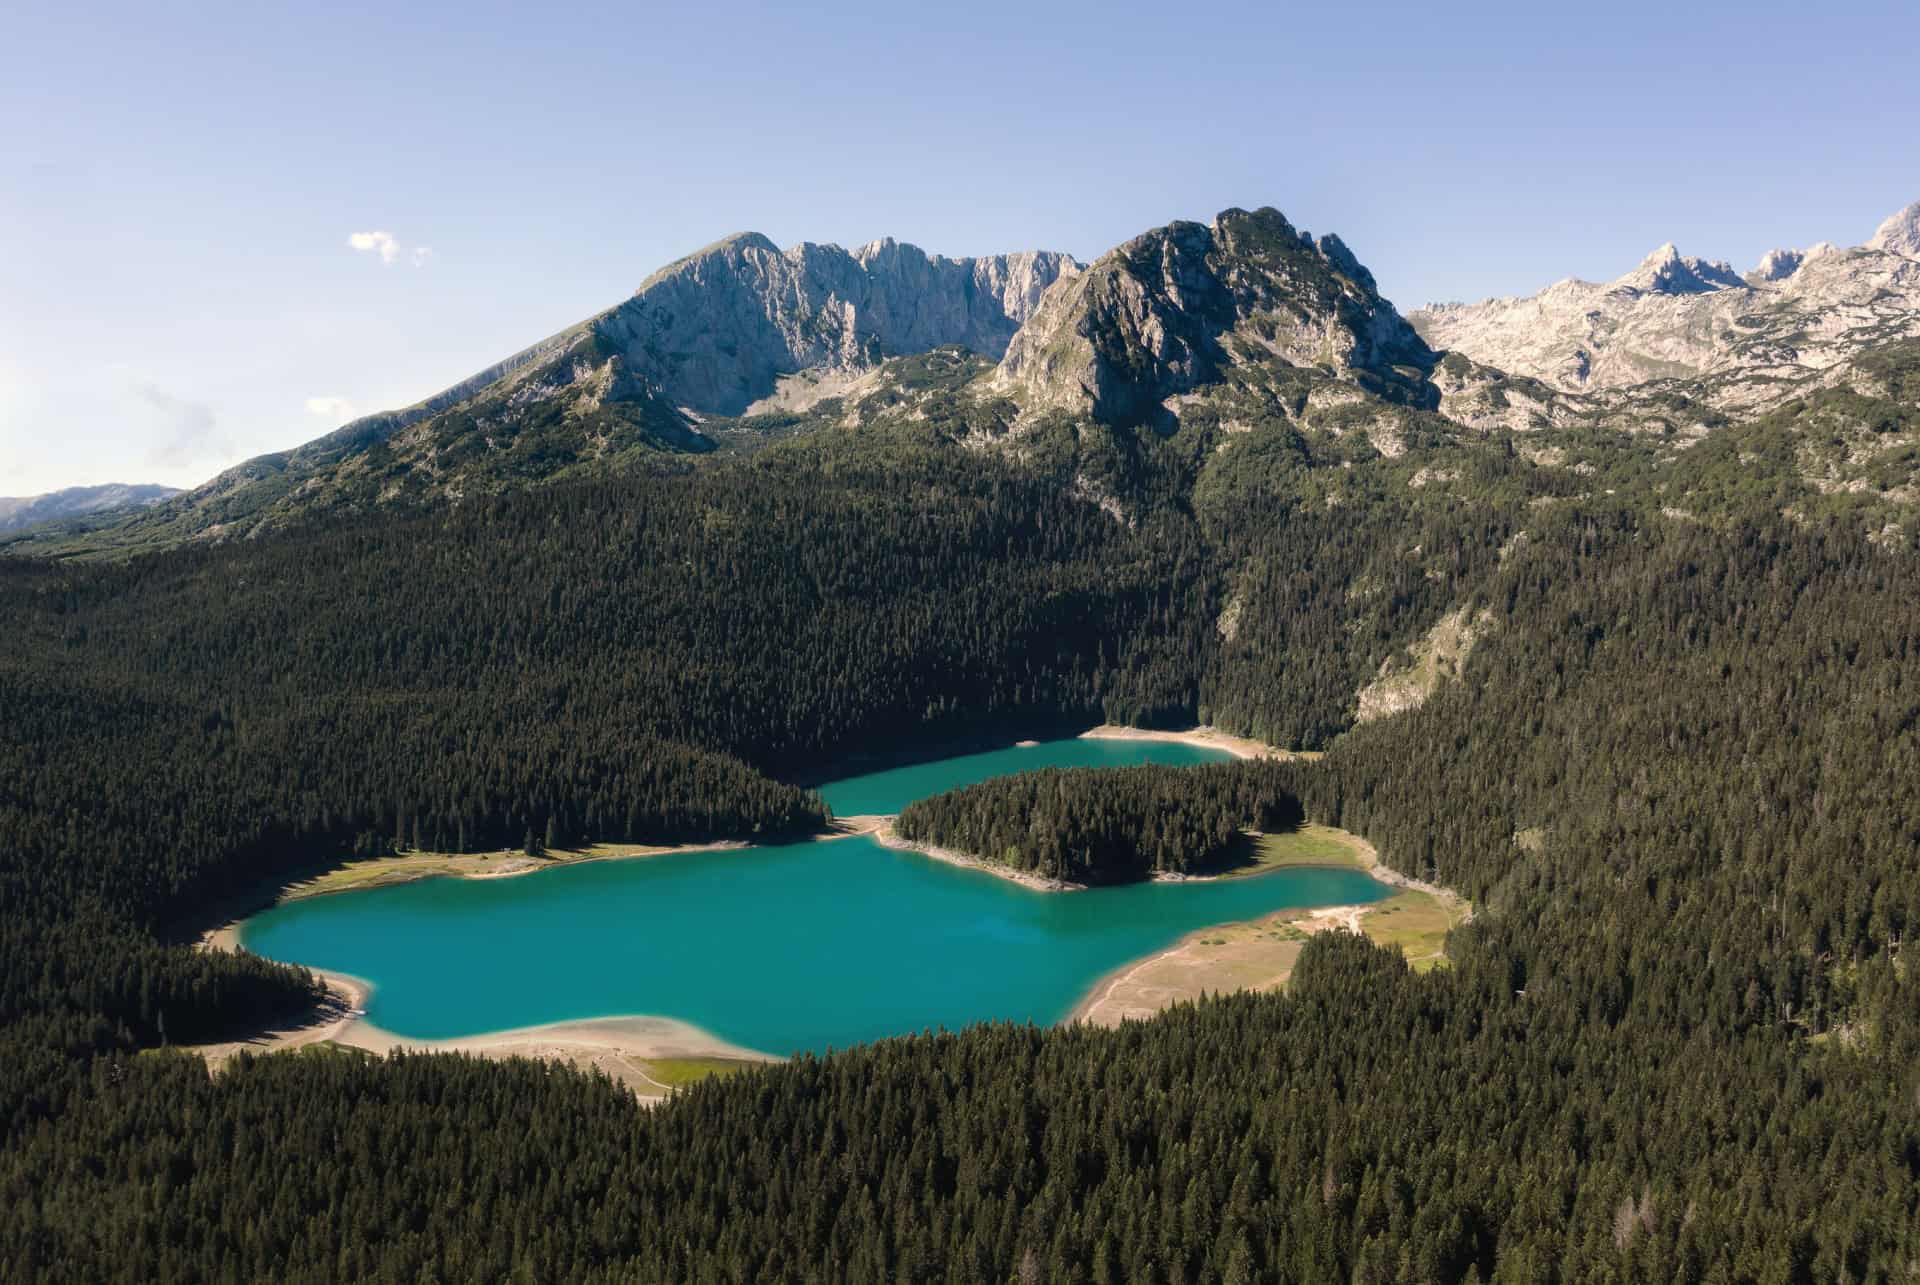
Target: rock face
[(1751, 340), (1667, 272), (716, 330), (77, 501), (1900, 234), (1181, 307), (1778, 265)]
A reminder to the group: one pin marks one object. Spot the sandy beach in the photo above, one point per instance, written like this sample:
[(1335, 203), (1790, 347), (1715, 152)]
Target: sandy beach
[(1259, 954), (628, 1049), (1211, 738)]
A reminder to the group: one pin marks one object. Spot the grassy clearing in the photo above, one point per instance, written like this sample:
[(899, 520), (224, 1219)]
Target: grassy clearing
[(375, 872), (1309, 845), (677, 1072), (1416, 924)]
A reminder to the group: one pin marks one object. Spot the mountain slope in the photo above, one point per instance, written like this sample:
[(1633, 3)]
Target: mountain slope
[(714, 334), (17, 512), (1799, 314)]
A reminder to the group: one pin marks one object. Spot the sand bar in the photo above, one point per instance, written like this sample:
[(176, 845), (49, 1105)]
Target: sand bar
[(622, 1047), (1211, 738)]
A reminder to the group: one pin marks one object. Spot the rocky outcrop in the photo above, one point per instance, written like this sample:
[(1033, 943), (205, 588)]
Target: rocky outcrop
[(1778, 265), (1668, 272), (716, 331), (1900, 234), (1188, 305), (1751, 342)]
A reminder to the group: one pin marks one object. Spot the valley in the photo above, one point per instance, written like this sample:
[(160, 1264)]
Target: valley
[(1628, 671)]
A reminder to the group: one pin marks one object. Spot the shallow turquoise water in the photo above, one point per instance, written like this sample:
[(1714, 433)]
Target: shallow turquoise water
[(806, 946)]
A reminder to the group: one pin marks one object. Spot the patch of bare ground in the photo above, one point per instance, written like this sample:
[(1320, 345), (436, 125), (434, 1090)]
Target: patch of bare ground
[(1406, 682)]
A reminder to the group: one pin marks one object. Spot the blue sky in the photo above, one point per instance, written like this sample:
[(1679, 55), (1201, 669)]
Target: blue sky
[(179, 182)]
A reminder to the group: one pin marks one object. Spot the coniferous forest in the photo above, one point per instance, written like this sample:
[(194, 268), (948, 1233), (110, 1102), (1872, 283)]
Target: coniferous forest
[(1678, 775), (1107, 825)]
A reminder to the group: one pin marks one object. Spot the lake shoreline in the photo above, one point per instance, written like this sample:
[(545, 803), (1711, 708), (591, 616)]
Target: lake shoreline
[(887, 838), (1144, 986), (1203, 737), (382, 872), (618, 1046), (612, 1044)]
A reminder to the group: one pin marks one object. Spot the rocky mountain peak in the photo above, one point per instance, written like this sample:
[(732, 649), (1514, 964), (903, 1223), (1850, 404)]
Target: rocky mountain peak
[(1778, 265), (1667, 271), (1184, 305), (1900, 234)]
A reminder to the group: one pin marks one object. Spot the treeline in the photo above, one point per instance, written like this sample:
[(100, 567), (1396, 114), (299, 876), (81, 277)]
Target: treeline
[(1107, 825)]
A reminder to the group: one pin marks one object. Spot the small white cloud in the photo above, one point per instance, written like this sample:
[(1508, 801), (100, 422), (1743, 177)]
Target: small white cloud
[(381, 243), (389, 248), (188, 428), (336, 409)]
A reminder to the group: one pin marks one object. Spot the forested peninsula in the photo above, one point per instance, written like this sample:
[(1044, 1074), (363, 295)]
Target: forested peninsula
[(1107, 825)]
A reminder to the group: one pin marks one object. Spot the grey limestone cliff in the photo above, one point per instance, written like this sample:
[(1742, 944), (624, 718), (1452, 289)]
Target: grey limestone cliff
[(1180, 307)]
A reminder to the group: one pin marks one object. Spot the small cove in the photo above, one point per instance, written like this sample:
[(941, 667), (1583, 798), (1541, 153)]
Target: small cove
[(781, 949)]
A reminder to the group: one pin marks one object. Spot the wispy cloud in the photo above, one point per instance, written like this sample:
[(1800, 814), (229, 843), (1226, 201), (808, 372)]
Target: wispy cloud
[(187, 428), (336, 410), (388, 247)]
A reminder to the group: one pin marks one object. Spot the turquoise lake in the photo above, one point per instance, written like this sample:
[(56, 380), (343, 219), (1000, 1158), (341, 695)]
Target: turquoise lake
[(780, 949)]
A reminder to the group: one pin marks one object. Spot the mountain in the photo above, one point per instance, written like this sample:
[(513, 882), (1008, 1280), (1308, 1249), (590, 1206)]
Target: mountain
[(78, 501), (1753, 341), (738, 328), (1900, 234), (1188, 305), (1240, 321), (1242, 325)]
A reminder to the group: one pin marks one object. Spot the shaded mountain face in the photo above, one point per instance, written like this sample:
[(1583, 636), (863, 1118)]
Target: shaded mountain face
[(1752, 341), (1184, 306), (1900, 234), (78, 501)]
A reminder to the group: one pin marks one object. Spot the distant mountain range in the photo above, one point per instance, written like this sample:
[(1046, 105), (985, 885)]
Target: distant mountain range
[(78, 501), (1748, 341), (1239, 322)]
